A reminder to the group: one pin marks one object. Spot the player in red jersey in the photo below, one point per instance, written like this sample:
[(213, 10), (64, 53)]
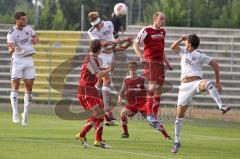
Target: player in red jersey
[(133, 89), (154, 60), (88, 94)]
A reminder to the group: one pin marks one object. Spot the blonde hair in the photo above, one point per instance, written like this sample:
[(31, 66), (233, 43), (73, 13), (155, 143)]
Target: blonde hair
[(157, 14), (93, 16)]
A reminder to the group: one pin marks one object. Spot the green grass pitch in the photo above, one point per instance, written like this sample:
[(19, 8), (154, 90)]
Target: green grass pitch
[(49, 137)]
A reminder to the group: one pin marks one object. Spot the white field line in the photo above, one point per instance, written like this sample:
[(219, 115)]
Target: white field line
[(218, 138), (160, 156), (210, 137)]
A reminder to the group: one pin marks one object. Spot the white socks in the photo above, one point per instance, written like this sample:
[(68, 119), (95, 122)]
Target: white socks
[(178, 127), (27, 102), (214, 94), (14, 101), (106, 97)]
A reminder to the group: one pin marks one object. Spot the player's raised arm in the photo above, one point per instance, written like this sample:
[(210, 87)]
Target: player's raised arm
[(175, 46)]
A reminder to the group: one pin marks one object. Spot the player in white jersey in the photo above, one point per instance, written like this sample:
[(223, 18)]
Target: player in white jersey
[(103, 30), (192, 61), (20, 45)]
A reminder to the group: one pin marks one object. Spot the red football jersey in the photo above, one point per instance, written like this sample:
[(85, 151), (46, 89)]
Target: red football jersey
[(135, 91), (89, 68), (88, 78), (153, 40)]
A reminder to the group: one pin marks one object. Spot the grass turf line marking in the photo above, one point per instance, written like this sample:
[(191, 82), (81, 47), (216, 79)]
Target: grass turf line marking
[(70, 145)]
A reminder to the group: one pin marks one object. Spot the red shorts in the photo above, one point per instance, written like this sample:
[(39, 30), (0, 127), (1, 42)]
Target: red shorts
[(136, 108), (88, 91), (88, 97), (89, 102), (154, 71)]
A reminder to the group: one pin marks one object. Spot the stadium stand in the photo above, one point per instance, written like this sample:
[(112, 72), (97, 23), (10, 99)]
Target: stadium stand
[(60, 55)]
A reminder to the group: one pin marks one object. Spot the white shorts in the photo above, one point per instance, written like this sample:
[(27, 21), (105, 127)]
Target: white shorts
[(106, 59), (22, 68), (187, 91)]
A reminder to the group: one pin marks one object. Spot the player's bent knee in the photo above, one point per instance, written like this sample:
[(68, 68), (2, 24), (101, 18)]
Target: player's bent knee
[(202, 86), (180, 115), (15, 84), (181, 111)]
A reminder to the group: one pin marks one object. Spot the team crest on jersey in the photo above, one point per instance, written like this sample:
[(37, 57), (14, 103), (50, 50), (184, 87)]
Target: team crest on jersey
[(27, 33), (193, 58)]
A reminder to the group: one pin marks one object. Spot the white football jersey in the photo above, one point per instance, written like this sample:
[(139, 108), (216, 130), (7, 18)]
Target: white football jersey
[(105, 34), (22, 40), (191, 63)]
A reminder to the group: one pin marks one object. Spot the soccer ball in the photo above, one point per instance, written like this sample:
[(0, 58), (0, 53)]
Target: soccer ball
[(120, 9)]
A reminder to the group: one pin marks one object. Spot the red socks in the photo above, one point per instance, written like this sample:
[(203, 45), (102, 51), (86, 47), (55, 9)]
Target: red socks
[(156, 105), (99, 129), (87, 127), (98, 125), (124, 124)]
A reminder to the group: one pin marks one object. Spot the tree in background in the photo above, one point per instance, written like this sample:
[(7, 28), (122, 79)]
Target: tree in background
[(72, 10), (6, 14), (198, 13), (174, 10), (9, 7), (229, 16), (235, 14), (66, 15), (204, 12), (51, 16)]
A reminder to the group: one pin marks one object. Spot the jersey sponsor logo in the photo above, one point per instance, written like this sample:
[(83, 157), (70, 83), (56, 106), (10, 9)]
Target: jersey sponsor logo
[(24, 41), (134, 89), (187, 61), (155, 36), (106, 32)]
